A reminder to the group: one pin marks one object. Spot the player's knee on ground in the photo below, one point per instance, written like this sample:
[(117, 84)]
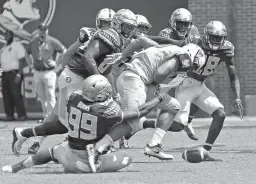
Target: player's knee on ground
[(219, 113), (114, 161), (176, 127)]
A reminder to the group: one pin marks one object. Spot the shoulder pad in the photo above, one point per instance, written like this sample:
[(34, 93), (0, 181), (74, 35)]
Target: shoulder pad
[(228, 49), (110, 37), (194, 35), (90, 31), (105, 109), (165, 32), (71, 97)]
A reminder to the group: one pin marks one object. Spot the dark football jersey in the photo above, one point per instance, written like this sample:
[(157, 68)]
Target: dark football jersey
[(192, 37), (107, 36), (88, 126), (214, 58)]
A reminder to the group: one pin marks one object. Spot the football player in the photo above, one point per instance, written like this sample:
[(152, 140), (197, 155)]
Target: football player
[(104, 41), (217, 49), (135, 84), (69, 80), (91, 112), (144, 27), (182, 28)]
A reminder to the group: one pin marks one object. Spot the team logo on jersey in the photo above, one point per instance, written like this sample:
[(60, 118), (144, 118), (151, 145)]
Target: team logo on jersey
[(23, 16), (68, 79)]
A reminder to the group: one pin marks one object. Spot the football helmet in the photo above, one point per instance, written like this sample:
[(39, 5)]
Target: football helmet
[(215, 34), (124, 22), (196, 56), (96, 88), (181, 22), (143, 25), (104, 18)]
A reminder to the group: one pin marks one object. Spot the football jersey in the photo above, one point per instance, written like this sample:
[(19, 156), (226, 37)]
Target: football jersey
[(76, 63), (87, 126), (146, 62), (214, 58), (107, 36), (192, 37)]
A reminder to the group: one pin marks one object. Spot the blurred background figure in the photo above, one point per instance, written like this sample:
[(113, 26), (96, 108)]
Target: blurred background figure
[(44, 50), (12, 61)]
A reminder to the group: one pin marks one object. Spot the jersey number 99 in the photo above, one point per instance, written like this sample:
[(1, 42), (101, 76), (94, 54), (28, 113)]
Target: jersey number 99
[(82, 125)]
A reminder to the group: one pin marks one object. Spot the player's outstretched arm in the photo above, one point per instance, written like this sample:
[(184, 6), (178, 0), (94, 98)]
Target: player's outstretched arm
[(165, 40), (172, 65), (141, 42), (70, 51), (235, 84)]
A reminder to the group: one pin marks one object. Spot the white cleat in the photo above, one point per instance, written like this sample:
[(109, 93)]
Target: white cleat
[(191, 132), (7, 169), (156, 151), (18, 140), (93, 156)]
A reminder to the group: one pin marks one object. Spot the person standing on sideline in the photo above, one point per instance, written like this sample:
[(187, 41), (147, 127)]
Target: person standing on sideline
[(12, 61), (43, 50)]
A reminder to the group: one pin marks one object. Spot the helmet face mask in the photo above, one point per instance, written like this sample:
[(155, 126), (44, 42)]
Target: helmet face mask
[(124, 22), (144, 26), (104, 17), (181, 22), (183, 27), (215, 34)]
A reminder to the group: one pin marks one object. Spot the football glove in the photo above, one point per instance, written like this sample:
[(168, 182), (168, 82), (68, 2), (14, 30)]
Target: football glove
[(240, 108), (83, 35)]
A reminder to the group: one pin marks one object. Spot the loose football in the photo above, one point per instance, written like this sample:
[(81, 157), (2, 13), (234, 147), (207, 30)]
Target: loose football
[(194, 154)]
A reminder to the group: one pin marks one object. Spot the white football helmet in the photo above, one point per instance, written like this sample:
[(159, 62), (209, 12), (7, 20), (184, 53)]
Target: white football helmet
[(181, 22), (197, 56), (104, 18), (96, 88), (215, 34), (143, 25), (124, 22)]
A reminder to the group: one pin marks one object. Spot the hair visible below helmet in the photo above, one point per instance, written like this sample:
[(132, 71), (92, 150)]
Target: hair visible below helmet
[(215, 34), (181, 22), (96, 88), (104, 15), (196, 55), (143, 25), (124, 22)]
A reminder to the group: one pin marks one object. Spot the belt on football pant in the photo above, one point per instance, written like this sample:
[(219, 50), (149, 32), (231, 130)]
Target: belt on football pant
[(44, 69)]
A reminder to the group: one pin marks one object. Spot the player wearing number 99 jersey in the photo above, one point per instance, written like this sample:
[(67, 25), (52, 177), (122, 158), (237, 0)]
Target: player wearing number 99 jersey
[(91, 113)]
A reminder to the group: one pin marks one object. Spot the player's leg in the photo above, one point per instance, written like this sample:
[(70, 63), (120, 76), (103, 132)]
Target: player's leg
[(40, 158), (133, 93), (20, 135), (209, 103), (169, 108)]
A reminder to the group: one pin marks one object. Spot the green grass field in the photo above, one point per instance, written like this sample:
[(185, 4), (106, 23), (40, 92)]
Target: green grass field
[(236, 145)]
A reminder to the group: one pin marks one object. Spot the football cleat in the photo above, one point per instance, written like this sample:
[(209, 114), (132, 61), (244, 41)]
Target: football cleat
[(190, 132), (34, 148), (208, 158), (7, 169), (93, 157), (18, 140), (157, 152), (123, 143)]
